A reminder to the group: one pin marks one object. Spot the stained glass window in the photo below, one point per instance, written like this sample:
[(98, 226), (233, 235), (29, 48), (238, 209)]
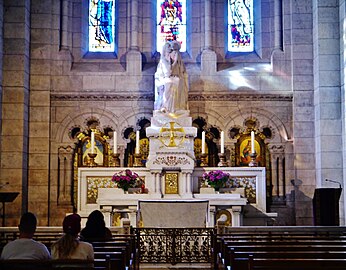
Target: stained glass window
[(171, 22), (240, 26), (101, 25)]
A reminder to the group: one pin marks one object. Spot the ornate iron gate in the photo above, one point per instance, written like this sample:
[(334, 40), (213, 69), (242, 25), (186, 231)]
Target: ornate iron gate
[(174, 245)]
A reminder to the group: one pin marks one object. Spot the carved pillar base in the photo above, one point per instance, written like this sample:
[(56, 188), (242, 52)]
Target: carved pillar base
[(138, 160), (222, 162), (92, 157), (203, 160), (116, 159)]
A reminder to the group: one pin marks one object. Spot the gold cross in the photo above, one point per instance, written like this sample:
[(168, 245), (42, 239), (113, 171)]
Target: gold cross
[(171, 131)]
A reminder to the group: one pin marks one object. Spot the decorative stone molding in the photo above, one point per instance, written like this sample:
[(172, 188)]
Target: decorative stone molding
[(277, 148), (171, 160), (242, 96), (100, 97), (192, 97)]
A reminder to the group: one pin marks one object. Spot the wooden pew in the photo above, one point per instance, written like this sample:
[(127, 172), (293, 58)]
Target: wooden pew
[(47, 264), (227, 244), (124, 249), (295, 263), (239, 259)]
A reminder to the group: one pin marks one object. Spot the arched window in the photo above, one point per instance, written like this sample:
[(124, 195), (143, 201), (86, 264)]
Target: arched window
[(101, 25), (240, 26), (171, 22)]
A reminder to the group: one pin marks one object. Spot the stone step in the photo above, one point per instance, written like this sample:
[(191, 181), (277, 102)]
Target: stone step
[(180, 266)]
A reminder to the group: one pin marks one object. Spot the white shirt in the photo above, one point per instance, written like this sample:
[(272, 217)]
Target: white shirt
[(24, 248)]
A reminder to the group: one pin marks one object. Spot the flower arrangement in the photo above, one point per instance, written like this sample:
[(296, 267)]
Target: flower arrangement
[(216, 179), (126, 179)]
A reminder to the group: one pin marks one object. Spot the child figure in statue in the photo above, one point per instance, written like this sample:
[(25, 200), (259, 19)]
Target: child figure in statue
[(171, 82)]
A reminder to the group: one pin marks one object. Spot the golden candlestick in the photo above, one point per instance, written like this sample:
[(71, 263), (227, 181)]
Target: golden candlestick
[(138, 160), (92, 157), (253, 162), (116, 159), (204, 160), (222, 162)]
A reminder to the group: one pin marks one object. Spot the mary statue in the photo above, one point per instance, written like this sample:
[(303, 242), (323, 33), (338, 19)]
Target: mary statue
[(171, 82)]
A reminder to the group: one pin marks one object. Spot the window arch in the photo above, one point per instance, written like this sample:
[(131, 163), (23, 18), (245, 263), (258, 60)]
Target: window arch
[(240, 26), (171, 22), (101, 25)]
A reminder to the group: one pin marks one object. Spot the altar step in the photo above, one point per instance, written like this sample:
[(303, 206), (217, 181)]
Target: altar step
[(182, 266)]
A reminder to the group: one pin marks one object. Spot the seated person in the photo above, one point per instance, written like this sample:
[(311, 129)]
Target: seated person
[(95, 228), (25, 248), (69, 246)]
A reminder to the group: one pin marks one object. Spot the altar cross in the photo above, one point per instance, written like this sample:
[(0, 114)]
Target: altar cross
[(172, 135)]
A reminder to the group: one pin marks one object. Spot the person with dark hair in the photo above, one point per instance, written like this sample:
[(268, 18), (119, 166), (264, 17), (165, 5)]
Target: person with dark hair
[(95, 228), (25, 247), (69, 246)]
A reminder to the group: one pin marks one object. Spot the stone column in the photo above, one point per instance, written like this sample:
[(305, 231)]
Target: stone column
[(134, 25), (189, 183), (134, 57), (64, 17), (278, 40), (133, 215), (277, 152), (236, 216), (211, 218), (108, 214), (208, 57), (65, 175), (182, 184)]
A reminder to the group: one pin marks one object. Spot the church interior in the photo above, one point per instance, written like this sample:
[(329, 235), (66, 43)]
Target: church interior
[(259, 95), (177, 114)]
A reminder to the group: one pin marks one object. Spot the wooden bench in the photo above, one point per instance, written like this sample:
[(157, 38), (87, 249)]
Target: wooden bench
[(239, 259), (48, 264), (123, 247), (295, 263), (229, 252)]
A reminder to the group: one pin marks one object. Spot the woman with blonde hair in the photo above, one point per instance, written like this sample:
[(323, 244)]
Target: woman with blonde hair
[(69, 246)]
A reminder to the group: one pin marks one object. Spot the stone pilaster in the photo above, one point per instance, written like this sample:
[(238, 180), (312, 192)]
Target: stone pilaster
[(42, 36), (15, 104)]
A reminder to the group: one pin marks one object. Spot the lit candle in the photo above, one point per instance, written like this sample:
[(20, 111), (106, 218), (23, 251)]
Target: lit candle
[(92, 142), (137, 142), (253, 142), (115, 143), (203, 142), (222, 142)]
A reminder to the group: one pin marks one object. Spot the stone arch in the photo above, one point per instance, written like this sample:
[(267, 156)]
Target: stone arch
[(265, 118), (213, 118), (106, 118)]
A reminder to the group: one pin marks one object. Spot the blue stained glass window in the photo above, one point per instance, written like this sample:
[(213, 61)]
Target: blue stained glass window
[(101, 25), (240, 26), (171, 22)]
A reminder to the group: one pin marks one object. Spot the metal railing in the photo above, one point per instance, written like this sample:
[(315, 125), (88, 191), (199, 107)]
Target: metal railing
[(175, 245)]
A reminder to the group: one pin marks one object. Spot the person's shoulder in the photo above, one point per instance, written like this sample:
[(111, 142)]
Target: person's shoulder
[(85, 244)]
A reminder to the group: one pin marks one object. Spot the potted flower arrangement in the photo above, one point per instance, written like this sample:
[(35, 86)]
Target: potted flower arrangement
[(125, 179), (216, 179)]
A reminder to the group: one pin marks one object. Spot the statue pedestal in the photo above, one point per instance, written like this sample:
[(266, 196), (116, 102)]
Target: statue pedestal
[(171, 153)]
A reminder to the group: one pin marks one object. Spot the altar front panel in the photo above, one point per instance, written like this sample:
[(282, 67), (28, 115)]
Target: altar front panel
[(173, 214)]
